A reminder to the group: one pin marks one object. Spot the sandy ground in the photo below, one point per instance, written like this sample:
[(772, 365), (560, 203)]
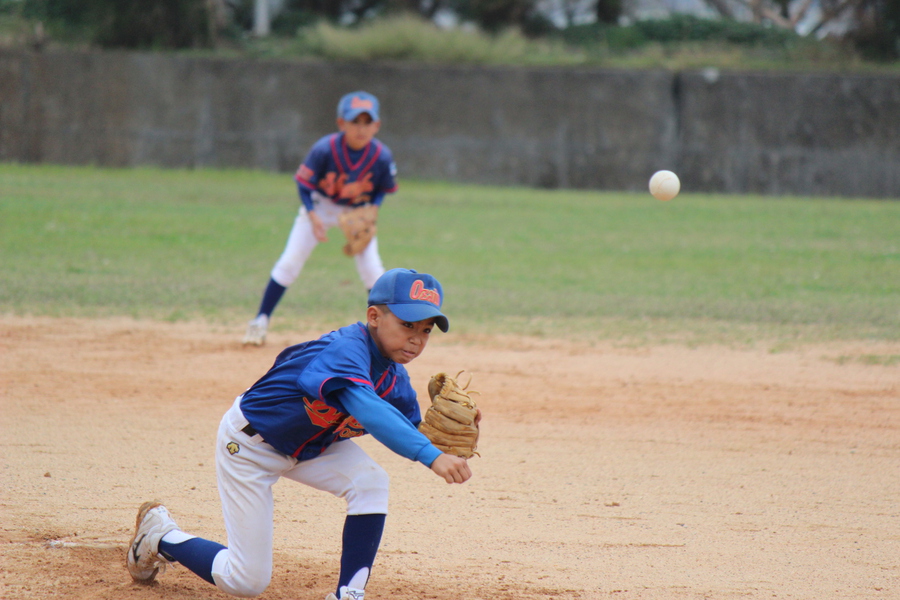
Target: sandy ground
[(606, 472)]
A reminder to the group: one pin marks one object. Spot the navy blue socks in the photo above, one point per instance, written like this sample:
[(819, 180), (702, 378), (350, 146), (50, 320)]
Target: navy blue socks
[(195, 554), (271, 298), (362, 536)]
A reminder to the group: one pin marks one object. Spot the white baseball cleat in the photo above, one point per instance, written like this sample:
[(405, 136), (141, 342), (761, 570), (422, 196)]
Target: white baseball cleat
[(256, 331), (152, 523)]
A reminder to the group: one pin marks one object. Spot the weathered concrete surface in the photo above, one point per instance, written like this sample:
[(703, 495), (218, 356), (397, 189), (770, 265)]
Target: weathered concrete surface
[(817, 134), (580, 128)]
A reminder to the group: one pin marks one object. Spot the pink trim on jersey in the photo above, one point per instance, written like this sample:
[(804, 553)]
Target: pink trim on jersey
[(304, 181), (297, 452), (380, 381), (374, 158), (346, 156), (390, 387)]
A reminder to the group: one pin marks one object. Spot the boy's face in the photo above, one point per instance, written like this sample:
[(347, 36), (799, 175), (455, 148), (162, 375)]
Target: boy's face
[(360, 131), (400, 341)]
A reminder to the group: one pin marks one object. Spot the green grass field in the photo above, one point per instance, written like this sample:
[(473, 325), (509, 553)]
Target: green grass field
[(175, 245)]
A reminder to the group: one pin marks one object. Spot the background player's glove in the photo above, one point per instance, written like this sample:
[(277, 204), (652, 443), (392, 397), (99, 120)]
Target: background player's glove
[(359, 227), (450, 420)]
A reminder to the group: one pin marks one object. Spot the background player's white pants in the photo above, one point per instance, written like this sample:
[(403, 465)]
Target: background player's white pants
[(245, 486), (301, 242)]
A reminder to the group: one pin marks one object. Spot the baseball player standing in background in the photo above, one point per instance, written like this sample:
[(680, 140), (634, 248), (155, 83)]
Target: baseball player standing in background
[(297, 422), (342, 172)]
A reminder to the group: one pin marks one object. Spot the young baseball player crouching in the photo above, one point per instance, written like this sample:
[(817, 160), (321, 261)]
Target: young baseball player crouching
[(298, 422), (345, 175)]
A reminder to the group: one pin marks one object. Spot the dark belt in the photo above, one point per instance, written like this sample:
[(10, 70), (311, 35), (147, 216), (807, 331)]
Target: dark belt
[(248, 429)]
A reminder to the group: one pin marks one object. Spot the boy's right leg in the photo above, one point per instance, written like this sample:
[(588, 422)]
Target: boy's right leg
[(300, 244)]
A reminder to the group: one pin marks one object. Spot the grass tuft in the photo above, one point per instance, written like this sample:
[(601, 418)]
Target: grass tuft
[(406, 37)]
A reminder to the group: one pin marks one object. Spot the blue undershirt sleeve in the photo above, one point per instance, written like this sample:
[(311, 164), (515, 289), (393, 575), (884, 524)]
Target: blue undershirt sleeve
[(377, 199), (387, 424), (305, 197)]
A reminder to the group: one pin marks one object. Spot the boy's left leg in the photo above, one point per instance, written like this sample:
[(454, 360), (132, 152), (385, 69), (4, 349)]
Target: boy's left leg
[(346, 471)]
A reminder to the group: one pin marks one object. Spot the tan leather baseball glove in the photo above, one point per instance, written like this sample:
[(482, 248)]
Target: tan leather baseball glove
[(359, 226), (451, 420)]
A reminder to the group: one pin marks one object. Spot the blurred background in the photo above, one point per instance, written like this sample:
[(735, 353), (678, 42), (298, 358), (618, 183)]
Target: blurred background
[(737, 96), (586, 30)]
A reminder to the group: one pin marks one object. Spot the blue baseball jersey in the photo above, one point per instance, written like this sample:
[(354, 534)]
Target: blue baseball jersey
[(346, 176), (300, 405)]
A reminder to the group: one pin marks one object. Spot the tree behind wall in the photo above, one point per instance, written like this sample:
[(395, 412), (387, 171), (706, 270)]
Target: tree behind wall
[(133, 23)]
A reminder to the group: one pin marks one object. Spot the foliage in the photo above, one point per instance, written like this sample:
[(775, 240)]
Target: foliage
[(878, 35), (131, 24), (496, 15), (680, 28), (680, 42), (406, 37), (688, 28)]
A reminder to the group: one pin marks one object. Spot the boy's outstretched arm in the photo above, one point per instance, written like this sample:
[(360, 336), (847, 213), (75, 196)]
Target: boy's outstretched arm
[(454, 469), (394, 430)]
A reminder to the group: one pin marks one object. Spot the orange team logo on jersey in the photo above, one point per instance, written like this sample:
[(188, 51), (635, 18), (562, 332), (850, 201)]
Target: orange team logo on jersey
[(336, 186), (350, 428), (358, 191), (320, 414), (418, 291), (332, 184)]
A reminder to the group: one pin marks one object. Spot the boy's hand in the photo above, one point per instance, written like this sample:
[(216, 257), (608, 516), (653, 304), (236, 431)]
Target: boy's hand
[(454, 469), (318, 229)]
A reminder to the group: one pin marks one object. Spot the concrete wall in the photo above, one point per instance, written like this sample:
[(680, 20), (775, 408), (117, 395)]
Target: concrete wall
[(578, 128)]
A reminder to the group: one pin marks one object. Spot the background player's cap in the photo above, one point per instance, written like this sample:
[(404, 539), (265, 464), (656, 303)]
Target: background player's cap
[(357, 103), (411, 296)]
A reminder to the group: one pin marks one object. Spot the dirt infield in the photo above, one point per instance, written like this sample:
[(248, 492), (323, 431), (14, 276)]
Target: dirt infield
[(606, 472)]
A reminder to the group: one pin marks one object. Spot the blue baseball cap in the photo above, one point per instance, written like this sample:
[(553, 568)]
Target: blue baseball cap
[(411, 296), (357, 103)]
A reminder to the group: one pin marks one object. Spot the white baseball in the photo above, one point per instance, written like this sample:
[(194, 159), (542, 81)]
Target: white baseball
[(664, 185)]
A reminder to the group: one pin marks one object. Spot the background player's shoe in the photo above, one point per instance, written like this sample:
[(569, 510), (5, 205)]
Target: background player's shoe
[(256, 331), (152, 523)]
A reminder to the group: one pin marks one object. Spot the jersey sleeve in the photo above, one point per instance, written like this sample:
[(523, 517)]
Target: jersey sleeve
[(387, 179), (403, 397), (342, 363), (387, 424), (305, 196), (314, 165)]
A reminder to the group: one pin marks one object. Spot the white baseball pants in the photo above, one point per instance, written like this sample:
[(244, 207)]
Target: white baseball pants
[(245, 480), (301, 242)]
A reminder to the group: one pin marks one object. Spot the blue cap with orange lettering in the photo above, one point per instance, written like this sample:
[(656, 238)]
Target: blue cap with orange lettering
[(411, 296), (357, 103)]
